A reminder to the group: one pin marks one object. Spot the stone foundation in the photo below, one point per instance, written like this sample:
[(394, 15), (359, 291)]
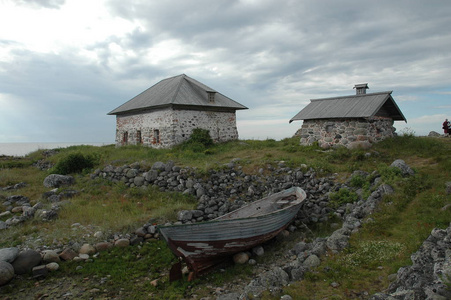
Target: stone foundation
[(351, 133)]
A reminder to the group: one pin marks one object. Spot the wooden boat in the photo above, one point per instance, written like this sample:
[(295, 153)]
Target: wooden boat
[(205, 244)]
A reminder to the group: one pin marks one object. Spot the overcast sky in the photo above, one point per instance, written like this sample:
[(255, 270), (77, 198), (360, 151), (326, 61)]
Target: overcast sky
[(64, 64)]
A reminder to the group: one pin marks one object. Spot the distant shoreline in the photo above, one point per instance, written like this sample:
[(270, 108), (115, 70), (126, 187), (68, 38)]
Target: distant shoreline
[(22, 149)]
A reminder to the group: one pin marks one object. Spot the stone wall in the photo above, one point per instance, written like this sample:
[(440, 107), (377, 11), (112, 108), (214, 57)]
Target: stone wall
[(168, 127), (350, 133)]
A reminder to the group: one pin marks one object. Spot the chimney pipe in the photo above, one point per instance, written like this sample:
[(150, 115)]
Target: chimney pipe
[(360, 89)]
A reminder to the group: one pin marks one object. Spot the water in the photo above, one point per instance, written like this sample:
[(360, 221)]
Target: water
[(22, 149)]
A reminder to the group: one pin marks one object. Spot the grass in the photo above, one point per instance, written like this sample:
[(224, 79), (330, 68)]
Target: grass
[(396, 230)]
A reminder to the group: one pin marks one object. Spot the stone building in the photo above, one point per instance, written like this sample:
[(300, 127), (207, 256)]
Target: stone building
[(165, 114), (353, 121)]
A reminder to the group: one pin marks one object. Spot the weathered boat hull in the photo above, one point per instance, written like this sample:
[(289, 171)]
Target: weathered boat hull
[(203, 245)]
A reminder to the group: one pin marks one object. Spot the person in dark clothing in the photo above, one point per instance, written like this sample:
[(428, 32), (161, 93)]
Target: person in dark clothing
[(446, 126)]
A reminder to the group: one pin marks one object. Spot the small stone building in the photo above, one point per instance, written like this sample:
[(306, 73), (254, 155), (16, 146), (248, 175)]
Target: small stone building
[(352, 121), (165, 114)]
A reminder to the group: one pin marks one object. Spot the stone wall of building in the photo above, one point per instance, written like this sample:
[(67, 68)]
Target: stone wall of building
[(350, 133), (222, 125), (167, 127)]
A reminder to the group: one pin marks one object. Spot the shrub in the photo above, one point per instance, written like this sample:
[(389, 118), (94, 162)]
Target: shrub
[(74, 163), (198, 142), (343, 196), (358, 181), (201, 136)]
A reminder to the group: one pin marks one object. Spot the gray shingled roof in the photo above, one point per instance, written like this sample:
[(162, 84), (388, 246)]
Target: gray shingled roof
[(177, 90), (354, 106)]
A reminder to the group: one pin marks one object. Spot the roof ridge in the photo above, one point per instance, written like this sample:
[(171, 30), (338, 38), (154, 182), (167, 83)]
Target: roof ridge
[(182, 76), (353, 96)]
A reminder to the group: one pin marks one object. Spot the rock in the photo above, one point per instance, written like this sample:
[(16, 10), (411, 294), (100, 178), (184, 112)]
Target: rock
[(98, 234), (40, 271), (259, 251), (241, 258), (151, 176), (17, 209), (56, 180), (403, 167), (122, 243), (138, 181), (154, 282), (50, 256), (68, 254), (53, 266), (337, 241), (81, 257), (273, 279), (9, 254), (136, 240), (184, 215), (286, 297), (102, 246), (6, 272), (3, 225), (26, 261), (160, 166), (131, 173), (6, 214), (87, 249), (299, 248), (141, 232), (231, 296), (448, 188), (312, 261)]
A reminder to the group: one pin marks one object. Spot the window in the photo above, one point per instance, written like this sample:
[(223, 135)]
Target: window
[(125, 138), (211, 96), (156, 136), (138, 137)]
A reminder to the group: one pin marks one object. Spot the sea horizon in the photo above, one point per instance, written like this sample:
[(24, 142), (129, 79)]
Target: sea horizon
[(24, 148)]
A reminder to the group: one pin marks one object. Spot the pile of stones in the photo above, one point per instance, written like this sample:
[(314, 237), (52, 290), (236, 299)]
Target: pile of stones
[(227, 188), (13, 187), (38, 263), (429, 276), (18, 210)]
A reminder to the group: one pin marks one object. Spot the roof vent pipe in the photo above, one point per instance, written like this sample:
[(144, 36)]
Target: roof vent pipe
[(360, 89)]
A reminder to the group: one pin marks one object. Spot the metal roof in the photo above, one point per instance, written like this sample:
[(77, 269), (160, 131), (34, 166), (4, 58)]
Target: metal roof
[(178, 90), (354, 106)]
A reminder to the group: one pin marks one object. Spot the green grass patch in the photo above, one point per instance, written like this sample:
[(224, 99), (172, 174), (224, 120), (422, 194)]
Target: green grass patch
[(394, 231)]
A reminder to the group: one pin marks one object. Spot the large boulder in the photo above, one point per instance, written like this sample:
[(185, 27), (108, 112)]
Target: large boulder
[(26, 261), (160, 166), (9, 254), (403, 167), (56, 180), (312, 261), (337, 241), (6, 272)]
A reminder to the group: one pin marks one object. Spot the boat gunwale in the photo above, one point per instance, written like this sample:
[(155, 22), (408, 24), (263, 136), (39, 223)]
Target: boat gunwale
[(278, 211)]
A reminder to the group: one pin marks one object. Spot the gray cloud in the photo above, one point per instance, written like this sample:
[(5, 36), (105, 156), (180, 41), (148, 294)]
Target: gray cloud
[(272, 56), (54, 4)]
